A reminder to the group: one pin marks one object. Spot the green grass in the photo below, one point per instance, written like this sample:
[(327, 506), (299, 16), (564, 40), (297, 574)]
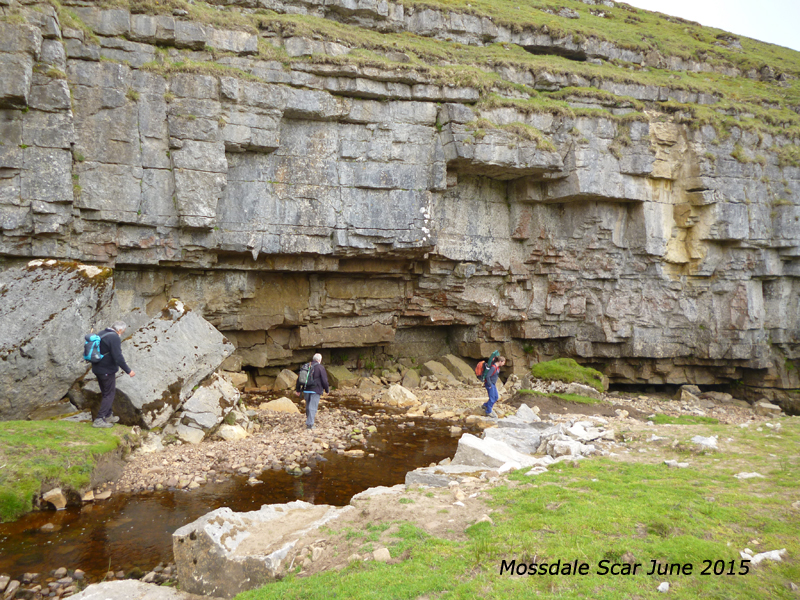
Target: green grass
[(660, 419), (56, 452), (601, 510), (749, 104), (568, 371), (579, 399)]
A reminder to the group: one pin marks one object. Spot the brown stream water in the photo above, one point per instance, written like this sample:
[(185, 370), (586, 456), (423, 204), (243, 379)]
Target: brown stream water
[(130, 531)]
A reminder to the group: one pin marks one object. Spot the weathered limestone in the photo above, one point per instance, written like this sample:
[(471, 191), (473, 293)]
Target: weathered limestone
[(438, 370), (206, 409), (56, 498), (340, 377), (329, 206), (170, 355), (489, 453), (131, 589), (399, 396), (280, 405), (47, 308), (224, 553), (459, 368)]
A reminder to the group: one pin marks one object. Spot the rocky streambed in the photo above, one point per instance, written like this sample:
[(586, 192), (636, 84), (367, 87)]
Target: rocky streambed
[(357, 444), (128, 533)]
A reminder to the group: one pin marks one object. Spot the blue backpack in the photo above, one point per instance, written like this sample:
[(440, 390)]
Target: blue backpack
[(91, 347)]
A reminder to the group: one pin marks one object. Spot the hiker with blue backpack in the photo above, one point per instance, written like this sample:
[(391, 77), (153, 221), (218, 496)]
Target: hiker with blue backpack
[(104, 351), (489, 375), (312, 380)]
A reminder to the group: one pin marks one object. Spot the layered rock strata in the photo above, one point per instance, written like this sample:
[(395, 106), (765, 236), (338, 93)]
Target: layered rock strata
[(304, 205)]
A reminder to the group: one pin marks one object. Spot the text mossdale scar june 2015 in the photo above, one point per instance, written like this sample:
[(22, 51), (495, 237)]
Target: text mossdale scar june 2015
[(608, 567)]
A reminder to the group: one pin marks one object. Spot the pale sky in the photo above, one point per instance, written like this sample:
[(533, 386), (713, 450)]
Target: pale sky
[(773, 21)]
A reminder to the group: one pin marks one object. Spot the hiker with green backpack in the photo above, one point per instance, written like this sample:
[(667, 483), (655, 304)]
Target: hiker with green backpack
[(312, 380), (488, 371)]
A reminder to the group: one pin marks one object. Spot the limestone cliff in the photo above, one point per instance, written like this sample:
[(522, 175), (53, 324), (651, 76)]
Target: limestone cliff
[(312, 175)]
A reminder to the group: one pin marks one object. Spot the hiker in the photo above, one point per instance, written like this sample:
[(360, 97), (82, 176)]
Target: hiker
[(490, 383), (317, 382), (106, 370)]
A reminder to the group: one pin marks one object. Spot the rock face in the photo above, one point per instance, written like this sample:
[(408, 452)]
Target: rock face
[(174, 352), (224, 553), (46, 308), (308, 205), (203, 412)]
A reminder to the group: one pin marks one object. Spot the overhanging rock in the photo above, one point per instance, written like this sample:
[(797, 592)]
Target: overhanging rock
[(170, 355), (46, 308), (224, 553)]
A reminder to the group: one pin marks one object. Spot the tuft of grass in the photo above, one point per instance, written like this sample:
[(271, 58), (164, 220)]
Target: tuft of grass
[(661, 419), (740, 154), (55, 452), (568, 371), (580, 399)]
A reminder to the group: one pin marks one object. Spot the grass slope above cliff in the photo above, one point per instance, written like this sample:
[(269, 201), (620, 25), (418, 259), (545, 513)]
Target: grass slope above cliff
[(603, 512), (52, 452), (766, 97)]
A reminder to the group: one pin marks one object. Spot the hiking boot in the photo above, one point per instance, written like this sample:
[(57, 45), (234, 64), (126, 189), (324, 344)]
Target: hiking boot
[(309, 427), (484, 407), (111, 419), (102, 423)]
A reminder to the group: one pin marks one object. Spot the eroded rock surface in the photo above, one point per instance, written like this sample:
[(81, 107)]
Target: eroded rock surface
[(46, 308), (305, 205), (224, 553), (171, 355)]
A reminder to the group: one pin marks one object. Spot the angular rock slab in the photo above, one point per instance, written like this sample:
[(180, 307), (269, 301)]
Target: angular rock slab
[(46, 308), (210, 403), (172, 354), (439, 371), (460, 369), (490, 453), (524, 440), (224, 553), (131, 589)]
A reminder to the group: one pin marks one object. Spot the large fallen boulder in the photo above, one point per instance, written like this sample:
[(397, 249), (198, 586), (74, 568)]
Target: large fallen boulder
[(224, 553), (46, 308), (339, 377), (459, 369), (398, 396), (171, 355), (439, 371)]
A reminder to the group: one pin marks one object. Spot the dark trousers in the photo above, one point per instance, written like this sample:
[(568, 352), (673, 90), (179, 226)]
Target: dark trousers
[(108, 389)]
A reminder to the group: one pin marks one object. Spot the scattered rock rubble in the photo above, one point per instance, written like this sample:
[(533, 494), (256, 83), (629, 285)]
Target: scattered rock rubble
[(65, 583)]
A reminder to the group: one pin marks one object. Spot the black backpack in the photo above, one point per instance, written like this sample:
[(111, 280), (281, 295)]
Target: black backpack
[(304, 375)]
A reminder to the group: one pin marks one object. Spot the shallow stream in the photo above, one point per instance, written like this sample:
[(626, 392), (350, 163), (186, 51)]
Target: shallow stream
[(135, 531)]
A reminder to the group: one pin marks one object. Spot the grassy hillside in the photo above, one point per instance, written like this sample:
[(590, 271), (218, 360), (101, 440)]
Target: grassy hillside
[(765, 98)]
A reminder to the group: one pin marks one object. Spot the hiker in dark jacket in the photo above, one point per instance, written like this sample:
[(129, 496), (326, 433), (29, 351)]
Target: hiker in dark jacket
[(317, 383), (106, 370), (490, 383)]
